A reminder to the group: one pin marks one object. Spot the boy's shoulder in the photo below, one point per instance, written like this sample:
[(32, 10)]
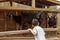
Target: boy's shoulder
[(38, 27)]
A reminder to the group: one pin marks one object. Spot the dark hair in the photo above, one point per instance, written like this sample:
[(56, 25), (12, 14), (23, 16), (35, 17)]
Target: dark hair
[(35, 22)]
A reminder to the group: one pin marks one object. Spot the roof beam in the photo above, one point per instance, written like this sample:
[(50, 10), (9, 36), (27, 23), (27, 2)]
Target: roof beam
[(31, 9), (33, 1)]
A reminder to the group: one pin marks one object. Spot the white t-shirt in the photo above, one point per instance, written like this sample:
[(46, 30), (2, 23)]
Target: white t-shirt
[(40, 34)]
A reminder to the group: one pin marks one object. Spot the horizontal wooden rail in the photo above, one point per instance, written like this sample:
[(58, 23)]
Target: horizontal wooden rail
[(13, 32), (52, 29), (26, 38), (26, 31)]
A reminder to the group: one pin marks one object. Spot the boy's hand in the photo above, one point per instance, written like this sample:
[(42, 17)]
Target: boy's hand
[(30, 29)]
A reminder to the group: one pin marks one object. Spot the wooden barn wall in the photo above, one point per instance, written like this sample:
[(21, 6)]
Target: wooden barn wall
[(10, 24), (2, 21), (5, 23)]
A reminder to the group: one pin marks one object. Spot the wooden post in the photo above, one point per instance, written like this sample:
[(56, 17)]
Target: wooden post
[(16, 23), (45, 6), (10, 2), (5, 21), (46, 19), (33, 3)]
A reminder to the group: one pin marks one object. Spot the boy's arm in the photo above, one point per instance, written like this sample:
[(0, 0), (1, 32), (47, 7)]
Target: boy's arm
[(32, 32)]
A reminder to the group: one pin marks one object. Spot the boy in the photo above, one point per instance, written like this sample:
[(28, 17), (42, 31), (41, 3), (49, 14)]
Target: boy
[(37, 31)]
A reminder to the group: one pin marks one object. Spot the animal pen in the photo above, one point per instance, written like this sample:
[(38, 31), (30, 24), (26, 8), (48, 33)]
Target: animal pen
[(15, 20)]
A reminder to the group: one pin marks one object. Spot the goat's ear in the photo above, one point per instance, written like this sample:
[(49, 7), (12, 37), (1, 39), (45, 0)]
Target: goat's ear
[(8, 16)]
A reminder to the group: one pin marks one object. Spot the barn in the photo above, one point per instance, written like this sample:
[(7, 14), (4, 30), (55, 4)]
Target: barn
[(16, 17)]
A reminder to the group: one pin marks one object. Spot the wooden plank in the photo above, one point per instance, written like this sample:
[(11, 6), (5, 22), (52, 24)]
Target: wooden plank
[(52, 29), (33, 3), (13, 32), (26, 38), (30, 9), (25, 31), (3, 0), (16, 38), (54, 1)]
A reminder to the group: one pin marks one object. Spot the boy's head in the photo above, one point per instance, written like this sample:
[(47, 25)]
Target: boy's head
[(35, 22)]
